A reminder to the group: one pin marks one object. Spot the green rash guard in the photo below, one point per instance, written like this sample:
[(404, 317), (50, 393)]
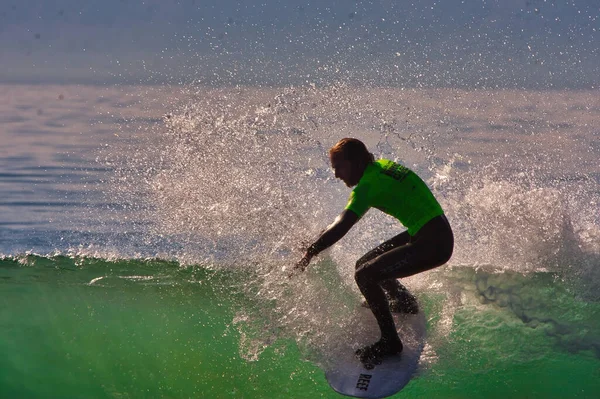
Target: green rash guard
[(397, 191)]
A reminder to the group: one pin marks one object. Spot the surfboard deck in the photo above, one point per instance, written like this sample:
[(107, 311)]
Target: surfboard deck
[(347, 375)]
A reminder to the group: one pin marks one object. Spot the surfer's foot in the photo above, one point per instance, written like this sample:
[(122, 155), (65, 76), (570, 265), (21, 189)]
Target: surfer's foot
[(403, 303), (371, 355)]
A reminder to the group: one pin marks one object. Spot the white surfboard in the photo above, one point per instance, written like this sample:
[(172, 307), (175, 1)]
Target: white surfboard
[(347, 375)]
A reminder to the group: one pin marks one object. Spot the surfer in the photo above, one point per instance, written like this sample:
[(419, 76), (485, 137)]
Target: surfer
[(427, 243)]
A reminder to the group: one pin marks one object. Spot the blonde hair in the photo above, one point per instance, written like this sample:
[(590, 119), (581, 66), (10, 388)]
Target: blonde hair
[(352, 150)]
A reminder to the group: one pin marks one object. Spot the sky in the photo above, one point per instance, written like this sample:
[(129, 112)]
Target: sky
[(424, 43)]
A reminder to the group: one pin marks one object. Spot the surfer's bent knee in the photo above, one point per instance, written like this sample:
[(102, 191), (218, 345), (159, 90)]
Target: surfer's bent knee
[(358, 274)]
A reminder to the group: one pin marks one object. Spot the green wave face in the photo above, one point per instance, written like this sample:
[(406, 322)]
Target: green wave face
[(92, 328)]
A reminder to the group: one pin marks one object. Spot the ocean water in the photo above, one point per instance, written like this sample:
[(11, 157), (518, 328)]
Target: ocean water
[(146, 234)]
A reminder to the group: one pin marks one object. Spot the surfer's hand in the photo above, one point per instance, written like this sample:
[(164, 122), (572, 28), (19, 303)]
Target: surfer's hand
[(303, 262), (301, 265)]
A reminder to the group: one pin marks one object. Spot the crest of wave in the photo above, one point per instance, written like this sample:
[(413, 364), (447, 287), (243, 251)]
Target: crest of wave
[(525, 221)]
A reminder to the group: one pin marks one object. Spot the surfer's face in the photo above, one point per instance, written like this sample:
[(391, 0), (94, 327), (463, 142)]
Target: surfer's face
[(345, 170)]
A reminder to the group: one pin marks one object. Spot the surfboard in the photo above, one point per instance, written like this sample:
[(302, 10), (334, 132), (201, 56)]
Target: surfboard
[(348, 376)]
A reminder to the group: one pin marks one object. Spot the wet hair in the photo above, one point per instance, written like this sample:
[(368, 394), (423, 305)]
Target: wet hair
[(352, 150)]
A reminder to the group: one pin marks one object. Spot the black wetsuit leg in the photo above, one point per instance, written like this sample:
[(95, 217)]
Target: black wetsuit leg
[(431, 247), (392, 287)]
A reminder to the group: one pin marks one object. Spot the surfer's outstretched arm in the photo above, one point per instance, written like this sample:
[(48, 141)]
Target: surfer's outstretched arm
[(342, 224)]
